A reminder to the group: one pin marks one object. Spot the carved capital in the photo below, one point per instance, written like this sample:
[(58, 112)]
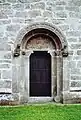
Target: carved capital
[(64, 54), (28, 53), (17, 51), (52, 53)]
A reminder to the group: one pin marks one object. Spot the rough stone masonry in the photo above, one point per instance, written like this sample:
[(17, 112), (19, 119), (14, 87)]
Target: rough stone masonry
[(17, 14)]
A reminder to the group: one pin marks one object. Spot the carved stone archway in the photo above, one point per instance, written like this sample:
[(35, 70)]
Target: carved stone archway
[(58, 54)]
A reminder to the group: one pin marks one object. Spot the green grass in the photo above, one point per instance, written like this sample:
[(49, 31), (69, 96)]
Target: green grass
[(41, 112)]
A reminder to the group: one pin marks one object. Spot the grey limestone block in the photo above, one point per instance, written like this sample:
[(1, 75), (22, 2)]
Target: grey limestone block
[(12, 1), (79, 64), (5, 84), (18, 6), (5, 61), (64, 27), (58, 8), (7, 74), (76, 46), (5, 21), (60, 2), (23, 14), (3, 40), (27, 6), (3, 15), (75, 15), (76, 84), (75, 3), (13, 28), (75, 77), (72, 39), (5, 55), (73, 33), (78, 52), (47, 14), (5, 6), (28, 1), (34, 13), (2, 1), (2, 66), (72, 8), (5, 47), (18, 20), (72, 64), (61, 14), (75, 71), (39, 5)]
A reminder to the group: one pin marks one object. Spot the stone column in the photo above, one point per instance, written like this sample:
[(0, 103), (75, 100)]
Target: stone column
[(21, 80), (66, 86), (53, 73), (16, 77), (24, 79), (15, 74), (59, 78), (27, 70)]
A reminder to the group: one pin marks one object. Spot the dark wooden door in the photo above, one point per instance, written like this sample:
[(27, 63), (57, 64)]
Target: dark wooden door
[(40, 74)]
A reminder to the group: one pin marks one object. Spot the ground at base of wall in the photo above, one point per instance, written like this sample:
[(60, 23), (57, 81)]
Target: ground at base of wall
[(72, 101), (17, 103), (41, 112), (10, 103)]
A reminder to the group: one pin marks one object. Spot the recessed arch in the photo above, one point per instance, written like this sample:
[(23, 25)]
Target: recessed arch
[(42, 28), (42, 32)]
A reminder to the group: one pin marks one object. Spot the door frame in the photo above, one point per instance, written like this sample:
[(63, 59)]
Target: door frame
[(22, 72), (53, 77)]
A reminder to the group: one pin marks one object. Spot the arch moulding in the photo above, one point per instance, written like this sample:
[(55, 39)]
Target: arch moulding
[(47, 26)]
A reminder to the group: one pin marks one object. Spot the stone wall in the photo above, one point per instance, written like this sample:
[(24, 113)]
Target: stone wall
[(16, 14)]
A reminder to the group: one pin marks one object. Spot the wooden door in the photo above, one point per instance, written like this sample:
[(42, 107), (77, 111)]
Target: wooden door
[(40, 74)]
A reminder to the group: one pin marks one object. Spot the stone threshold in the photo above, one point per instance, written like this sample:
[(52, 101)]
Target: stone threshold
[(39, 99)]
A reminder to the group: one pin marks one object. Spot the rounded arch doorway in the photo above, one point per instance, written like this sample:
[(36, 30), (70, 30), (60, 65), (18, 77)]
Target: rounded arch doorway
[(41, 63)]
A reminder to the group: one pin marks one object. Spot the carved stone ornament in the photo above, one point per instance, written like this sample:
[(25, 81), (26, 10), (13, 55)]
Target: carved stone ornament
[(17, 51), (64, 54)]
